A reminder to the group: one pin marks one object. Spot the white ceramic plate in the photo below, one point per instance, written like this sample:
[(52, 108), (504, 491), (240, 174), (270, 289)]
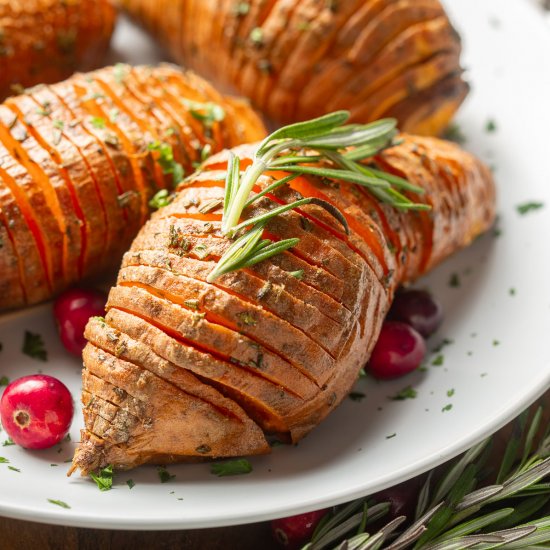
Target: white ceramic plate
[(498, 318)]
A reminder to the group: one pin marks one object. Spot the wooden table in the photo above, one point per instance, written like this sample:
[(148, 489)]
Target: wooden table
[(24, 535)]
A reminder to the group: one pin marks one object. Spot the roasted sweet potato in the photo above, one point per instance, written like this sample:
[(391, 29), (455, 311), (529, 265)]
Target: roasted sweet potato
[(297, 59), (259, 346), (45, 41), (80, 160)]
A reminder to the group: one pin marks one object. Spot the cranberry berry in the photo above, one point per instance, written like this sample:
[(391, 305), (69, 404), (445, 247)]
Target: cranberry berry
[(293, 532), (419, 309), (72, 310), (36, 411), (400, 349)]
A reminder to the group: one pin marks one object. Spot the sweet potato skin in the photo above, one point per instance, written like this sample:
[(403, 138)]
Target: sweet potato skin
[(163, 303), (299, 59), (45, 41), (80, 160)]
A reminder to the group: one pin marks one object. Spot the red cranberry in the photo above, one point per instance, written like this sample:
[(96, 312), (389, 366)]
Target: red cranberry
[(36, 411), (72, 309), (399, 350), (419, 309), (295, 531)]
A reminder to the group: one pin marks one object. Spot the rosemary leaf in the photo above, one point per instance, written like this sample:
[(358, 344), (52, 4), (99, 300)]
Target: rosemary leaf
[(270, 188), (264, 218), (529, 438), (306, 130), (475, 525)]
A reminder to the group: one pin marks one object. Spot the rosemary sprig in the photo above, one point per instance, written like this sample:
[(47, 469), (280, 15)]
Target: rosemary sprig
[(459, 516), (325, 147)]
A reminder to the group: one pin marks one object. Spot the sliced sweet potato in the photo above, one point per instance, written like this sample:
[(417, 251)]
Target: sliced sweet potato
[(47, 40), (287, 375), (298, 59), (80, 160), (174, 423)]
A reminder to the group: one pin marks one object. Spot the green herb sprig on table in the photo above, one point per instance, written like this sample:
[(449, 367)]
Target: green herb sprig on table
[(457, 511), (326, 147)]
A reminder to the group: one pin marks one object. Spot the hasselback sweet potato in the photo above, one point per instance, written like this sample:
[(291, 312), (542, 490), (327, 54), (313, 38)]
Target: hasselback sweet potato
[(44, 41), (182, 368), (297, 59), (80, 160)]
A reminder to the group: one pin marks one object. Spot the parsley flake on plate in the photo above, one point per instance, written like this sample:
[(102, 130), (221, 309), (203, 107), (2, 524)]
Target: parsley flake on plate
[(164, 475), (33, 346), (104, 479), (526, 207), (231, 468), (59, 503), (406, 393)]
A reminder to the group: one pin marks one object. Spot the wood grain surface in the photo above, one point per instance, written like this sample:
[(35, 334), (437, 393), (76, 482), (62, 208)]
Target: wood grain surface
[(24, 535)]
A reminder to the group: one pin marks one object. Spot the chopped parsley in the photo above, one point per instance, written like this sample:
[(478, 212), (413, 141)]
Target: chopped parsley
[(357, 396), (8, 442), (391, 436), (455, 133), (512, 291), (526, 207), (98, 122), (447, 407), (104, 479), (207, 113), (201, 251), (130, 483), (231, 468), (247, 319), (406, 393), (491, 126), (164, 475), (191, 304), (439, 360), (299, 274), (33, 346), (46, 109), (442, 344), (496, 343), (257, 36), (14, 469), (450, 392), (165, 158), (4, 381), (454, 280), (59, 503), (4, 460), (161, 199)]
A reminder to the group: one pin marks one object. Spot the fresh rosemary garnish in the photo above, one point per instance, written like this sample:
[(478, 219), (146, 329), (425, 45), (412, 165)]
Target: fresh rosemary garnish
[(325, 147), (454, 513)]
